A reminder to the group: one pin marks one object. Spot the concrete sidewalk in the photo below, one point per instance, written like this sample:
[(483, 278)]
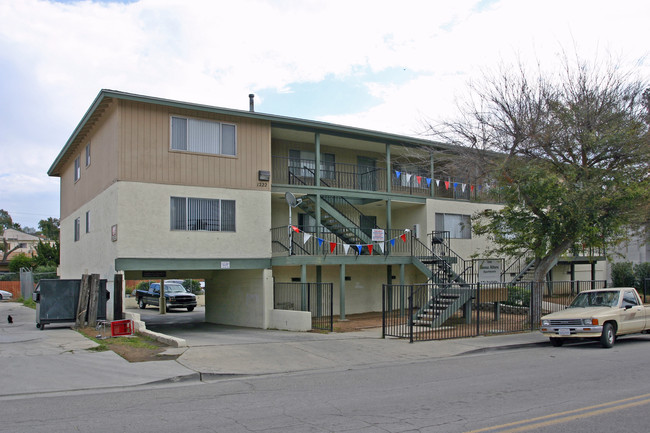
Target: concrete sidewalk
[(58, 359)]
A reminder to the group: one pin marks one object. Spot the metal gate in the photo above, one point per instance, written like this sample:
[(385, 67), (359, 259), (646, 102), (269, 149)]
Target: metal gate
[(425, 312), (316, 298)]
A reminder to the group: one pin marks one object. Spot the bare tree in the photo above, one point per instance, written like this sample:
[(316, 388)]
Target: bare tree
[(569, 151)]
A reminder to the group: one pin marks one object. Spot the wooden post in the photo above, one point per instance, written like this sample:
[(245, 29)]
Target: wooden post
[(82, 305), (93, 300), (118, 305), (162, 307)]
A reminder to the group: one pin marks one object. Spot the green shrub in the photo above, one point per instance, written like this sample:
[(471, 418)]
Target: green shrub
[(20, 261), (623, 274), (142, 285), (192, 286), (518, 296), (641, 274)]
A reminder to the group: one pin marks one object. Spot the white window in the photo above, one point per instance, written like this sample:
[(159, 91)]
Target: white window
[(458, 226), (200, 214), (203, 136), (87, 154), (77, 229), (88, 222), (77, 168)]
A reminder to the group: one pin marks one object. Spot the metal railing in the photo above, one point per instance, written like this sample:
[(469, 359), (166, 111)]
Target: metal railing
[(424, 312), (317, 298), (294, 171), (314, 240)]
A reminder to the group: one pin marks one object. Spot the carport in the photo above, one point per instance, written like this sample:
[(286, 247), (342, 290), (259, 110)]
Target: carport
[(238, 292)]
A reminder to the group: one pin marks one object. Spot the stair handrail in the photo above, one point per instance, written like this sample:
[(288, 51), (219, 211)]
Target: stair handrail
[(516, 265)]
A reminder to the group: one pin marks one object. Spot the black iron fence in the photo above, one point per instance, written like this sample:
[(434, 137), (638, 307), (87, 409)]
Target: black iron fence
[(316, 298), (425, 312)]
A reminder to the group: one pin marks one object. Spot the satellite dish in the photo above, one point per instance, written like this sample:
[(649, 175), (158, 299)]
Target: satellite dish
[(291, 199)]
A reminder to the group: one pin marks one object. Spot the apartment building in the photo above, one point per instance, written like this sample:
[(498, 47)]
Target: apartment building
[(156, 188)]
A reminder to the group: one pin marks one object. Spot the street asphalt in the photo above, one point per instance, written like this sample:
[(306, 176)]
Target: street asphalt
[(58, 358)]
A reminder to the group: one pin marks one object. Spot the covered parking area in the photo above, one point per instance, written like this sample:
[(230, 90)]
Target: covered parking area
[(238, 292)]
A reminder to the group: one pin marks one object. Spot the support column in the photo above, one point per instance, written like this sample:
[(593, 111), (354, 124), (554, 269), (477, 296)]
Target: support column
[(402, 298), (342, 292), (303, 294), (433, 182), (573, 279), (317, 168), (389, 171), (389, 225), (319, 295)]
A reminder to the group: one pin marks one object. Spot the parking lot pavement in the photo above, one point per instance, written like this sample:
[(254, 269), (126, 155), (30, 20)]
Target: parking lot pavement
[(57, 359)]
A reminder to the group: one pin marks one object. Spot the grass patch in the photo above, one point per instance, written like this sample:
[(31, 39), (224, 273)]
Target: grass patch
[(27, 302), (136, 348)]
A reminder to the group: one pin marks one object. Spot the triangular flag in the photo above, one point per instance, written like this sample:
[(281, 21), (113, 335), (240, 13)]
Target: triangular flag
[(346, 247), (419, 178), (305, 238), (370, 249), (398, 173), (332, 246), (381, 247), (408, 177), (403, 237), (359, 248), (428, 182), (320, 242), (446, 184), (463, 185), (471, 188), (437, 182), (295, 229), (392, 242), (455, 185)]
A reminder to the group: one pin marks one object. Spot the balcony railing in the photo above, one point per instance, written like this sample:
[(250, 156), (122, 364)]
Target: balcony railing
[(293, 171), (312, 241)]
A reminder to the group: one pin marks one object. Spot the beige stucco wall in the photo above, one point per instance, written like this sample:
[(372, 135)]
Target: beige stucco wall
[(364, 290), (144, 224), (463, 247), (240, 298)]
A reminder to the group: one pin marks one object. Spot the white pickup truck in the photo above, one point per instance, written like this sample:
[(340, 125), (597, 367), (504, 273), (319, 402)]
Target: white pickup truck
[(601, 315)]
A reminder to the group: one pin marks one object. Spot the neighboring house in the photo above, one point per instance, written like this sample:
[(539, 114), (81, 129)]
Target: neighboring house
[(165, 189), (636, 250), (18, 243)]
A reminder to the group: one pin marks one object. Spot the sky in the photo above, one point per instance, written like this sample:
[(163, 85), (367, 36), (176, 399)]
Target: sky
[(383, 65)]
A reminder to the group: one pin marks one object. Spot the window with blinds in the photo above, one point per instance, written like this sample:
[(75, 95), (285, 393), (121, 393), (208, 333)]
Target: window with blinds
[(458, 226), (203, 136), (201, 214)]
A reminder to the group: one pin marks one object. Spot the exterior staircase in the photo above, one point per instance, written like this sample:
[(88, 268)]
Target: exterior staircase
[(449, 275), (339, 217)]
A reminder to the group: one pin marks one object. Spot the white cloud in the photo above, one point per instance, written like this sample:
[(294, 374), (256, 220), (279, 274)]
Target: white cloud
[(59, 55)]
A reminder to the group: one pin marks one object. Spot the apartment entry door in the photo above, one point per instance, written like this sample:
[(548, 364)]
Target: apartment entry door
[(367, 173)]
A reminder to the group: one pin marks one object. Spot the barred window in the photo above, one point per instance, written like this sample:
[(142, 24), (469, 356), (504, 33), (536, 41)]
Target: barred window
[(201, 214), (203, 136)]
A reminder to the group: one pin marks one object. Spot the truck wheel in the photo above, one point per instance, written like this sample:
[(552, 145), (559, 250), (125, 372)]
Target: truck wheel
[(190, 308), (608, 337), (141, 304), (556, 342)]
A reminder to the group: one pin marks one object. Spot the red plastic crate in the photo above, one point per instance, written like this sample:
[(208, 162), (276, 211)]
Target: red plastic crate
[(121, 327)]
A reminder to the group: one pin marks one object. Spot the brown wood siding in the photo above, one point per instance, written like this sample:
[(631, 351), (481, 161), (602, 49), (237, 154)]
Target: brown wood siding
[(103, 168), (341, 155), (147, 155)]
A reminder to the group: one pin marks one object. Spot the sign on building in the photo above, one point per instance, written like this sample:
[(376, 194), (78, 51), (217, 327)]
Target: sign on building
[(490, 270), (377, 235)]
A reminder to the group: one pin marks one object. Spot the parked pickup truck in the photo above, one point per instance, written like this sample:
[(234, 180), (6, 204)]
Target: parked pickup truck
[(601, 315), (175, 296)]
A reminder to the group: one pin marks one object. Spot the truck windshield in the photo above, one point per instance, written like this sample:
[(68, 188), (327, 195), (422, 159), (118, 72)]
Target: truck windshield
[(596, 299), (174, 288)]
